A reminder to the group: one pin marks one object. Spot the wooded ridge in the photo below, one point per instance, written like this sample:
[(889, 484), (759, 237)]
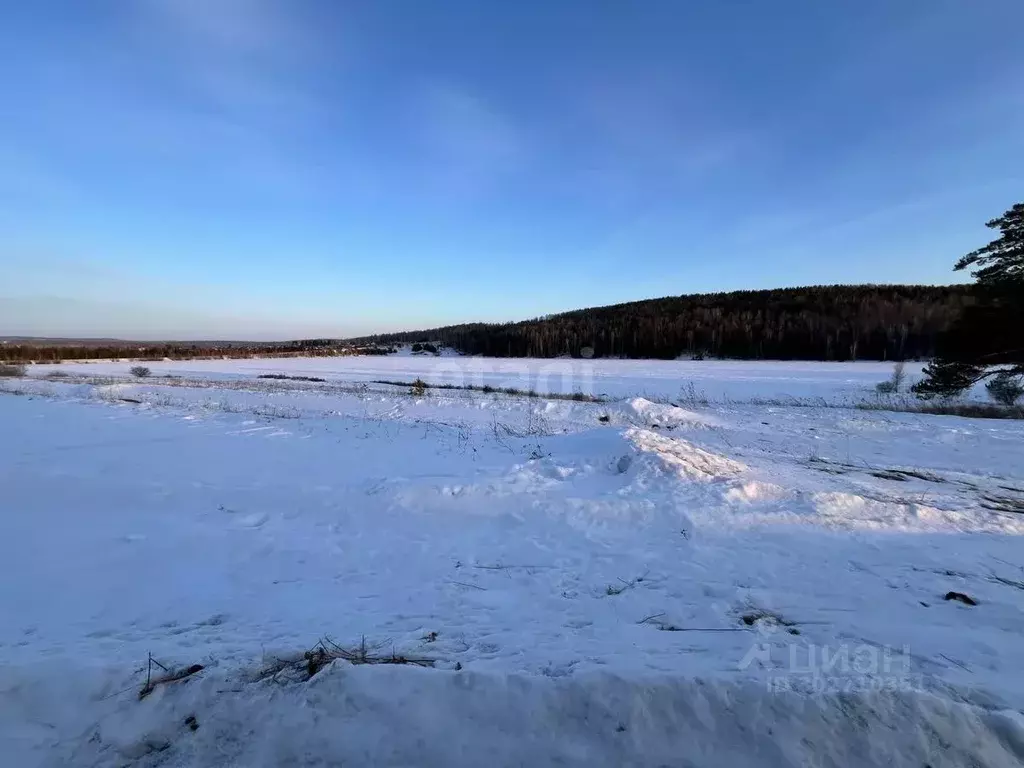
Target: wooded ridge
[(835, 322)]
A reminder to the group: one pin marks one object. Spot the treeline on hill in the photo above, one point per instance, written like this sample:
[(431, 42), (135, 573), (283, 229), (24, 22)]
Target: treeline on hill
[(46, 352), (841, 322)]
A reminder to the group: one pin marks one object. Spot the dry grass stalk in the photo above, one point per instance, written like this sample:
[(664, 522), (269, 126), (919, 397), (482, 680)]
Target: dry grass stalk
[(325, 652)]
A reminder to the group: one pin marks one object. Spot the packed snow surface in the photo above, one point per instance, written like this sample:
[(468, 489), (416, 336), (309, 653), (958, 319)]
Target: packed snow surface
[(657, 579)]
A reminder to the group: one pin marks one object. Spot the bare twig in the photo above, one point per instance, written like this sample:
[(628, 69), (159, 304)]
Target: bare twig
[(1007, 582), (170, 677), (612, 590), (955, 662), (464, 584), (652, 616), (673, 628), (507, 567), (667, 627)]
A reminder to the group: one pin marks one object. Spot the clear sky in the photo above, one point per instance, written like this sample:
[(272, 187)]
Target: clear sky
[(281, 168)]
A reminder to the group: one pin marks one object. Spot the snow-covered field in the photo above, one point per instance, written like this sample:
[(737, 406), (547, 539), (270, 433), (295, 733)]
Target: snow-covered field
[(654, 379), (616, 583)]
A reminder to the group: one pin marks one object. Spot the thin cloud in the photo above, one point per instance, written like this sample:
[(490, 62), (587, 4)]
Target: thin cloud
[(231, 27), (244, 56), (649, 136), (469, 147)]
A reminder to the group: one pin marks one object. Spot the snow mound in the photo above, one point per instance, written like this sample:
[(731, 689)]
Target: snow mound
[(663, 415), (753, 491), (682, 457), (349, 715), (848, 510)]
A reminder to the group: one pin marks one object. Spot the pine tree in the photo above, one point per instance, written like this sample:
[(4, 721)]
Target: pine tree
[(988, 339), (1002, 260)]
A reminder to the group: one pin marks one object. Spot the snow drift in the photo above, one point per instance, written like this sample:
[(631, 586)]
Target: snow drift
[(392, 716)]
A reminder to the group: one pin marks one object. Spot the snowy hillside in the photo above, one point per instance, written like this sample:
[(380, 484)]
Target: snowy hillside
[(589, 583)]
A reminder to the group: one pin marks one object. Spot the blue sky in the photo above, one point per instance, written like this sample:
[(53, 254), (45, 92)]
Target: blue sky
[(282, 168)]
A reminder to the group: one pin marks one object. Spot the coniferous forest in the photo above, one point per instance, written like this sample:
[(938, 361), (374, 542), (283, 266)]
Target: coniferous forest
[(840, 322)]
